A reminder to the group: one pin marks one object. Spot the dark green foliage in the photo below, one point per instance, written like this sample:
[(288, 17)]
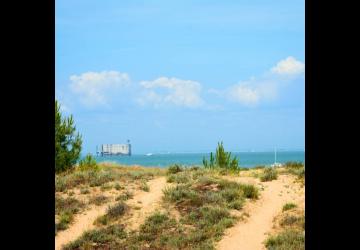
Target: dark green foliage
[(88, 163), (173, 169), (113, 213), (67, 143), (269, 174), (288, 206), (293, 164), (64, 220), (250, 191), (105, 238), (117, 186), (221, 160), (287, 240)]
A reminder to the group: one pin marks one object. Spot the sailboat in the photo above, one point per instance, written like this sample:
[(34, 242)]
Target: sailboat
[(276, 164)]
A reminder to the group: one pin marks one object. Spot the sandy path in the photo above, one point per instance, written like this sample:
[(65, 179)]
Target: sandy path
[(250, 234), (147, 201), (81, 223)]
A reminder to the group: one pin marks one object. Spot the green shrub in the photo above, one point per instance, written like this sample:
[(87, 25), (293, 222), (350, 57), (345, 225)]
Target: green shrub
[(182, 194), (65, 219), (287, 240), (182, 177), (288, 206), (222, 159), (269, 174), (117, 186), (144, 186), (70, 205), (250, 191), (117, 210), (236, 204), (293, 164), (88, 163), (104, 238), (67, 144), (173, 169), (98, 200), (123, 197), (113, 213)]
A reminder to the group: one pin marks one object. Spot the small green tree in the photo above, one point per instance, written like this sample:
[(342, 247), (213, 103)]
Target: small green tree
[(67, 143), (88, 163), (222, 159)]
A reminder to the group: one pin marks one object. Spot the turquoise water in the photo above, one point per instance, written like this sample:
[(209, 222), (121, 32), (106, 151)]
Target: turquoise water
[(247, 159)]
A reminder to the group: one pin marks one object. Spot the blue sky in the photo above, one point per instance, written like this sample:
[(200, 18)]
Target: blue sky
[(181, 75)]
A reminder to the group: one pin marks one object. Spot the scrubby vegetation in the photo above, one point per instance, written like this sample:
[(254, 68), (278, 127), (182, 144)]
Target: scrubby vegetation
[(173, 169), (144, 187), (204, 202), (126, 196), (269, 174), (105, 174), (297, 169), (98, 200), (105, 238), (222, 159), (113, 213), (287, 240), (66, 208), (88, 163), (291, 230), (288, 206)]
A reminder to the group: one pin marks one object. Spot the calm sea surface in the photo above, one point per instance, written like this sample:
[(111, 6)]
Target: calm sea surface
[(247, 159)]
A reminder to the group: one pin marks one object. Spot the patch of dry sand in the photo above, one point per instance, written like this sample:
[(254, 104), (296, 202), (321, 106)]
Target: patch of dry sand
[(251, 233), (147, 201)]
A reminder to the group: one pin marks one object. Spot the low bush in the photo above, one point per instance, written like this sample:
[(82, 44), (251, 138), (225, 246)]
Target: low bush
[(288, 206), (173, 169), (269, 174), (113, 213), (88, 163), (104, 238), (126, 196), (287, 240), (67, 205), (144, 187), (98, 200)]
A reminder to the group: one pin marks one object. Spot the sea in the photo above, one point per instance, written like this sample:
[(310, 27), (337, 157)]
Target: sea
[(246, 159)]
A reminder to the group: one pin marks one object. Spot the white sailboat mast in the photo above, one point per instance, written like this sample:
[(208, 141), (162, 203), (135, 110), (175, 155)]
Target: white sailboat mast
[(275, 155)]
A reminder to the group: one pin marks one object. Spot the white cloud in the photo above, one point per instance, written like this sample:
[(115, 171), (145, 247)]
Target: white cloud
[(163, 90), (250, 93), (266, 87), (289, 66), (95, 87)]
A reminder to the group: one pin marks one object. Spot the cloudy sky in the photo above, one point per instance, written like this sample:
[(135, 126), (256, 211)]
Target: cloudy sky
[(179, 76)]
